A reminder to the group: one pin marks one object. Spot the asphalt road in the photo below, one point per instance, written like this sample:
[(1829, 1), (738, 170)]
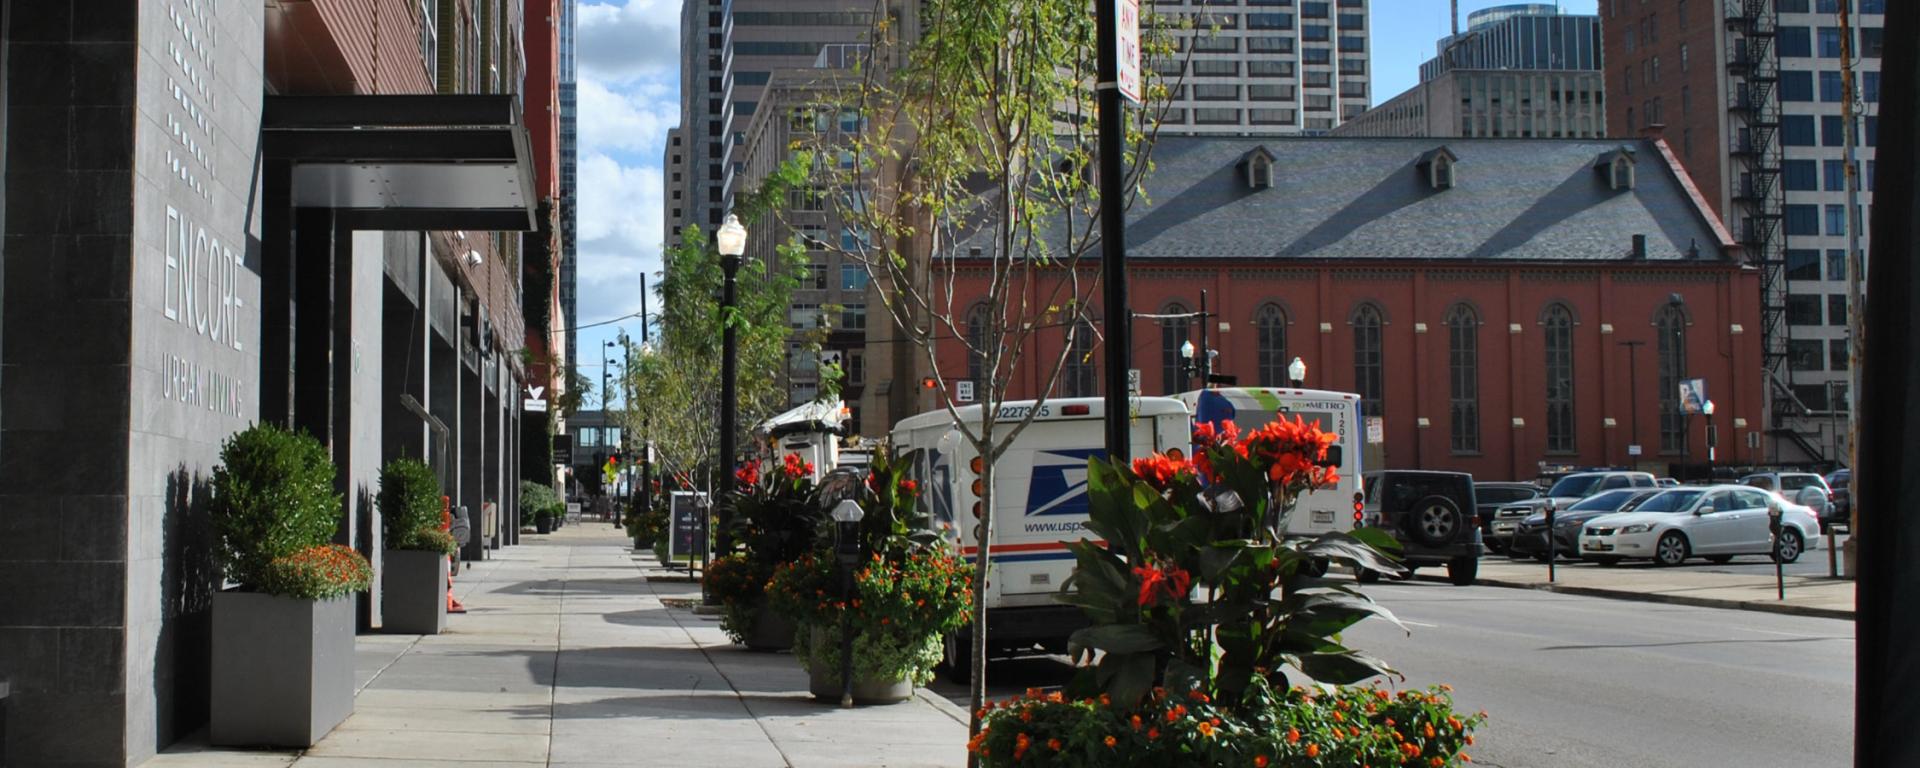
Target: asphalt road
[(1572, 681)]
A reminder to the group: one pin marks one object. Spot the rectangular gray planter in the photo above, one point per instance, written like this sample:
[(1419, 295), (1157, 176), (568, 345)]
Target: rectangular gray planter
[(282, 669), (413, 592)]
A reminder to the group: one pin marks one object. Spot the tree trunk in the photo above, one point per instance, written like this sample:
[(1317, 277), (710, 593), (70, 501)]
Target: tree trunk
[(977, 687)]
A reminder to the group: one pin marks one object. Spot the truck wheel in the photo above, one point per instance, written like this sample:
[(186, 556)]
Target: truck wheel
[(958, 663), (1461, 571)]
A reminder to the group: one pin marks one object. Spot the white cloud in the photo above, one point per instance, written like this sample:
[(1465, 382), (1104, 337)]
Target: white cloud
[(620, 233), (638, 39), (633, 118)]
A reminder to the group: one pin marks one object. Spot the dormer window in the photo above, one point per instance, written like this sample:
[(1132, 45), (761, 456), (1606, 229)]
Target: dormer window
[(1257, 168), (1436, 168), (1616, 166)]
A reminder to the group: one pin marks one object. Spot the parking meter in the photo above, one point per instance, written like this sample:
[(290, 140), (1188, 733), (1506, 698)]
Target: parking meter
[(846, 547), (1553, 548), (1779, 566)]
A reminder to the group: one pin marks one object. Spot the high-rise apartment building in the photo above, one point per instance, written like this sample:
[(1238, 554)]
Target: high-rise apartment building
[(1750, 95), (728, 51), (569, 178), (1264, 67), (1519, 71)]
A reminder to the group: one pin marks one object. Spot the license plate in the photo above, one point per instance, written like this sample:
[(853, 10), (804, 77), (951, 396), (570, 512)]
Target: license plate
[(1596, 546), (1503, 527), (1323, 517)]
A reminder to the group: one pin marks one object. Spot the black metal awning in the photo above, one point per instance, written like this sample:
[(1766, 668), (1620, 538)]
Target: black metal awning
[(406, 162)]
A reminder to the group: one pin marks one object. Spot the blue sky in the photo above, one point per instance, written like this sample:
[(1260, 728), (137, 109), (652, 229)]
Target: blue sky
[(629, 96)]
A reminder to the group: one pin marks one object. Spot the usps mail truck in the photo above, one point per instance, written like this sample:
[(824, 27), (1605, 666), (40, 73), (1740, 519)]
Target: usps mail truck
[(1040, 504), (1249, 408)]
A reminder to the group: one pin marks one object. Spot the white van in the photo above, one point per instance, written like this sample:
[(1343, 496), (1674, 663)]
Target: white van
[(1327, 509), (1040, 504)]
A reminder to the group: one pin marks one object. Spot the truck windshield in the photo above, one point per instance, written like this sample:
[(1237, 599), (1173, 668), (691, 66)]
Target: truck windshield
[(1575, 485)]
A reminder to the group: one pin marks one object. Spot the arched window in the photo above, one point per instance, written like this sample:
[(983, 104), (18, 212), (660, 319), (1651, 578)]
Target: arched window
[(1558, 321), (1270, 350), (1463, 379), (977, 344), (1670, 328), (1173, 332), (1368, 379), (1080, 378)]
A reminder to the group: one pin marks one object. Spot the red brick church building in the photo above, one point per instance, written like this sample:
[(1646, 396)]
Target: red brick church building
[(1500, 304)]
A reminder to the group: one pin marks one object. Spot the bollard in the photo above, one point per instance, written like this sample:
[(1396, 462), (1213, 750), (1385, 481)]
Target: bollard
[(1553, 548), (1833, 556)]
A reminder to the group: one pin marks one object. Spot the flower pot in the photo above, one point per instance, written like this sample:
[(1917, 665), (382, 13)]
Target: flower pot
[(413, 592), (282, 669), (824, 681), (543, 525), (772, 630)]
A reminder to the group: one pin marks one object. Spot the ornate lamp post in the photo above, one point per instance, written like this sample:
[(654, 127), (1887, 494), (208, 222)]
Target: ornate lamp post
[(731, 240)]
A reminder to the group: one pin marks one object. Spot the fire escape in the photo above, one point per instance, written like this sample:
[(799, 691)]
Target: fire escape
[(1753, 71)]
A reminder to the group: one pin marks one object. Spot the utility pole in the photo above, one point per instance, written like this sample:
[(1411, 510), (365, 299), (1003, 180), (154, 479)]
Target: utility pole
[(1633, 393), (1113, 225), (1856, 272)]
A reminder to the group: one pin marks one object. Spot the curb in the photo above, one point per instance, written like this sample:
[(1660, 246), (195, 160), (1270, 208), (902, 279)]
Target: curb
[(941, 704), (1654, 597)]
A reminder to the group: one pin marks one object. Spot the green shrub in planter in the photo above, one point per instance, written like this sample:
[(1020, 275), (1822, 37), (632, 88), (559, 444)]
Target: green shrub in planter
[(539, 500), (273, 507), (410, 507)]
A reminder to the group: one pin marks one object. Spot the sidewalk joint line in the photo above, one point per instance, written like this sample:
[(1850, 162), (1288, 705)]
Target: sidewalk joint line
[(705, 654)]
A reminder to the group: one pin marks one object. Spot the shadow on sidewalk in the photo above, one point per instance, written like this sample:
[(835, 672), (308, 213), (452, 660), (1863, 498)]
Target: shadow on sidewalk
[(667, 669), (628, 586)]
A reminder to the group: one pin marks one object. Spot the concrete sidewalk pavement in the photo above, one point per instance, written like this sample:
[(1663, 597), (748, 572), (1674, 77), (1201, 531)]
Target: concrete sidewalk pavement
[(568, 657), (1805, 595)]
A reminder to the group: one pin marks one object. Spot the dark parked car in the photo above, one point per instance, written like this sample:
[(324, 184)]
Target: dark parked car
[(1530, 539), (1431, 515), (1489, 497), (1840, 512)]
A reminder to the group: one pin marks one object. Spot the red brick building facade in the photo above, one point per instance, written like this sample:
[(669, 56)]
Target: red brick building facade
[(1493, 331)]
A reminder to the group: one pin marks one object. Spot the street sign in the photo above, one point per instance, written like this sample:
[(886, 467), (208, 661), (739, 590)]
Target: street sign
[(532, 405), (963, 391), (1376, 430), (1633, 450), (1127, 18), (1133, 382)]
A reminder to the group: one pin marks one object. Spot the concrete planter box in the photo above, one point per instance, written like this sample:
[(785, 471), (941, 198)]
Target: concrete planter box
[(413, 592), (282, 669), (824, 683), (772, 631)]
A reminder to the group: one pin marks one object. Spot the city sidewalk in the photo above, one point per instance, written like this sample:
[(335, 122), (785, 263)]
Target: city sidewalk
[(1806, 595), (569, 657)]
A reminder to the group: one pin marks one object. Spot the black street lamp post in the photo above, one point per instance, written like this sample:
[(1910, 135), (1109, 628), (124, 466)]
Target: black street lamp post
[(731, 240)]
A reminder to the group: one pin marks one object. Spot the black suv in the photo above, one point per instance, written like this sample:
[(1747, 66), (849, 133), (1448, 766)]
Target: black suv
[(1431, 514)]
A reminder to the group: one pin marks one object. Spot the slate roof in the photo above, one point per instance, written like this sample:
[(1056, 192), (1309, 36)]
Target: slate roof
[(1354, 198)]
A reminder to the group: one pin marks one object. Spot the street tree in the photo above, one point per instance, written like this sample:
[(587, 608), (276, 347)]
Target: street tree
[(973, 153)]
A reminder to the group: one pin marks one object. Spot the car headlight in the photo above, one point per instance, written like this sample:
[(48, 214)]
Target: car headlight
[(1637, 528)]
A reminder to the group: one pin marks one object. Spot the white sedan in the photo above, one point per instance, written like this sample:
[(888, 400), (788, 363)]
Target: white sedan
[(1715, 522)]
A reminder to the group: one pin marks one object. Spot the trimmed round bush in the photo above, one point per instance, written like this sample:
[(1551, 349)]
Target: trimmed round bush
[(410, 504), (273, 498), (325, 572)]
